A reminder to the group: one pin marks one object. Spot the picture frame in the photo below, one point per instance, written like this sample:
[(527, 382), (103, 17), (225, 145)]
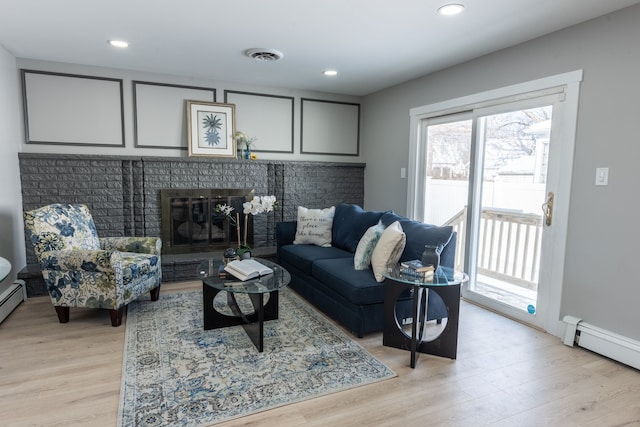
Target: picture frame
[(211, 129)]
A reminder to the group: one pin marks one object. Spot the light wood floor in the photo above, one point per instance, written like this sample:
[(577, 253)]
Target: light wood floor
[(506, 374)]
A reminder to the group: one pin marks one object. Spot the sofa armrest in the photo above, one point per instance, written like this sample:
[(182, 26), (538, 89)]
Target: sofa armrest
[(448, 255), (77, 260), (285, 234), (140, 245)]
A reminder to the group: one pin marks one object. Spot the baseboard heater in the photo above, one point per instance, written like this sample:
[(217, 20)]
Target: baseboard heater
[(11, 298), (614, 346)]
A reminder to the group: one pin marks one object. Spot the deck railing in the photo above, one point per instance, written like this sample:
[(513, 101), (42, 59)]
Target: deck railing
[(509, 248)]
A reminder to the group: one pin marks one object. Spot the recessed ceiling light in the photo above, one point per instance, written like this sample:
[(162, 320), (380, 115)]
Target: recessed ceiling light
[(118, 43), (451, 9), (330, 72)]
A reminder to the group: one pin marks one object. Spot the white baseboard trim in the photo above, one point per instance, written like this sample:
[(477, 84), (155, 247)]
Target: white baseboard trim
[(10, 299), (601, 341)]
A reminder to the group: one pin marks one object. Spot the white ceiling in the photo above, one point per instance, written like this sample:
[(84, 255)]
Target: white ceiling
[(373, 44)]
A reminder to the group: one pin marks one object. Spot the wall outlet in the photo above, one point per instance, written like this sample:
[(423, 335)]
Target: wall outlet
[(403, 173)]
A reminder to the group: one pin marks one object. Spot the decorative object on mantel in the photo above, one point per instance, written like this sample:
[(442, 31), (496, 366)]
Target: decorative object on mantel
[(211, 129), (245, 140), (258, 204)]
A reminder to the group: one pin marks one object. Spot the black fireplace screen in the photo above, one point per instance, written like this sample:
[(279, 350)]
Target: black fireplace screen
[(190, 222)]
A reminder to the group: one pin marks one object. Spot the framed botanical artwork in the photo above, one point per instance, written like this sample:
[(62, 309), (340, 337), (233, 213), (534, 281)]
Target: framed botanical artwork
[(211, 127)]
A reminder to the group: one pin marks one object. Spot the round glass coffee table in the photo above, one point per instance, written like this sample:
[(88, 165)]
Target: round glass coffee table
[(257, 290), (446, 284)]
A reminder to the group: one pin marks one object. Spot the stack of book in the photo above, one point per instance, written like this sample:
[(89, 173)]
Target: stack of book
[(417, 269)]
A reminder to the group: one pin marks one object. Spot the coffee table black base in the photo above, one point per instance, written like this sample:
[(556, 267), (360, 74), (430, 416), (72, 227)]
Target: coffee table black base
[(445, 345), (253, 323)]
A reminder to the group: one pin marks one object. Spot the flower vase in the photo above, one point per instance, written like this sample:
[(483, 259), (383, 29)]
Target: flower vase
[(431, 256), (247, 153)]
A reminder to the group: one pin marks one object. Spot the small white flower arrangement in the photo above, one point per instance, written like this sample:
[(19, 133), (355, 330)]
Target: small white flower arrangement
[(244, 139), (226, 211)]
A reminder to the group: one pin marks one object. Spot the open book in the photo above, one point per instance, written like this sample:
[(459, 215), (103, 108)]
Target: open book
[(247, 269)]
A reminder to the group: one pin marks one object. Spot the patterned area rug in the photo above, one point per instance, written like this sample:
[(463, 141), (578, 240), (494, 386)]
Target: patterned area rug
[(177, 374)]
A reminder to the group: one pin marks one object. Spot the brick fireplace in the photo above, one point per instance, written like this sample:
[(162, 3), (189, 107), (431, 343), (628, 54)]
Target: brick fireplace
[(124, 192)]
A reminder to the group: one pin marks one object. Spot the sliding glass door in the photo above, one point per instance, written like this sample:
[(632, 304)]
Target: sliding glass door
[(493, 171)]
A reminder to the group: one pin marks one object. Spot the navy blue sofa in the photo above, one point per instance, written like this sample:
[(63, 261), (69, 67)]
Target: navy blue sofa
[(326, 277)]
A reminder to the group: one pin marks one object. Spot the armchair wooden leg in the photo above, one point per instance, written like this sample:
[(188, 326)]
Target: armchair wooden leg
[(155, 293), (63, 313), (116, 316)]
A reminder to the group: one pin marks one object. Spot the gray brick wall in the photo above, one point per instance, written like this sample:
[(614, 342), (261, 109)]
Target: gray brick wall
[(123, 193)]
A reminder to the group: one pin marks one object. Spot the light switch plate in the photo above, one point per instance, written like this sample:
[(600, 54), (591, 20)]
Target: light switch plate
[(602, 176)]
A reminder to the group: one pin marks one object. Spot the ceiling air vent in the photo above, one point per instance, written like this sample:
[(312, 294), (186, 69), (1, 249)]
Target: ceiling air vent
[(261, 54)]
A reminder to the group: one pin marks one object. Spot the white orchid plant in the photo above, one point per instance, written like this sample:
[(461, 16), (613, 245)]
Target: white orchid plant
[(257, 205), (260, 204)]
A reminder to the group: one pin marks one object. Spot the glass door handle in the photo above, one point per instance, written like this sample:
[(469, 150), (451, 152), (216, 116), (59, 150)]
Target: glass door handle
[(547, 209)]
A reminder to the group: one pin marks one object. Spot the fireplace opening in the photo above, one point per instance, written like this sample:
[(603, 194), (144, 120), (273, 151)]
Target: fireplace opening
[(191, 224)]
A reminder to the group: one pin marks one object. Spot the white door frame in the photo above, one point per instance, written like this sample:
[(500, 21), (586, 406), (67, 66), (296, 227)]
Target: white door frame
[(558, 178)]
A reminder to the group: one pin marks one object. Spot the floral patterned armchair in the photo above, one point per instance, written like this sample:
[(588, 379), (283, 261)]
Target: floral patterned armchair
[(82, 270)]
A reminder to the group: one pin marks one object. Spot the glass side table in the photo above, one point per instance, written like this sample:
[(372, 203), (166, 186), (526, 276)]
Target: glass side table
[(446, 284), (255, 289)]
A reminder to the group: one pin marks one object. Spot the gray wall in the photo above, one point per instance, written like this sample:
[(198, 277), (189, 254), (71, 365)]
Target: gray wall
[(11, 240), (243, 121), (603, 232)]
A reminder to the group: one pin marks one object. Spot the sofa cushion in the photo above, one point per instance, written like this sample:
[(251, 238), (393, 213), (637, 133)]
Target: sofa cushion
[(366, 245), (349, 225), (314, 226), (419, 235), (388, 249), (303, 256), (357, 286)]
